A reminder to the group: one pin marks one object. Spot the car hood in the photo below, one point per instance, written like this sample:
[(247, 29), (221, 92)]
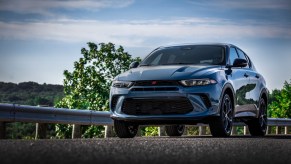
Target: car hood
[(173, 72)]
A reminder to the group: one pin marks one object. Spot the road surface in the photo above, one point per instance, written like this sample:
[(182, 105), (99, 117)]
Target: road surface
[(243, 149)]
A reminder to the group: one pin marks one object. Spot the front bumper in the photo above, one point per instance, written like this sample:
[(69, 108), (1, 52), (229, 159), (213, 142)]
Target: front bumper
[(204, 100)]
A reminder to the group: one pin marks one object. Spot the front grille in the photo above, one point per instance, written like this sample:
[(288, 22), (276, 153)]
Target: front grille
[(156, 83), (156, 89), (177, 105), (114, 101)]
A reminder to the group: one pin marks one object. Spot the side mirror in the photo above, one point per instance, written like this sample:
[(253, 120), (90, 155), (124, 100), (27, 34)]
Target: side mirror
[(240, 63), (133, 65)]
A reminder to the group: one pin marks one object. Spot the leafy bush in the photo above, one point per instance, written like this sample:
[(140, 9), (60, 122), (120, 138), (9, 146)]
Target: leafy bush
[(151, 131)]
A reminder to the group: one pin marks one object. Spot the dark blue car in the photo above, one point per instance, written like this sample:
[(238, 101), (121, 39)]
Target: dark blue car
[(216, 84)]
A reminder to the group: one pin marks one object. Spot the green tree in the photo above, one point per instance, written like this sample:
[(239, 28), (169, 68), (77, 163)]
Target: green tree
[(88, 85), (280, 105)]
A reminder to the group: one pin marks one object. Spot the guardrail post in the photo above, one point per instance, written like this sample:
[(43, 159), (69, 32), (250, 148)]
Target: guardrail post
[(185, 133), (138, 132), (202, 130), (278, 130), (234, 130), (269, 130), (2, 130), (286, 129), (161, 130), (40, 130), (108, 131), (246, 130), (76, 131)]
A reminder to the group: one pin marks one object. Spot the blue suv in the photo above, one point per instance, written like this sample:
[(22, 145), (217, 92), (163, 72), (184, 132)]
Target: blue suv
[(215, 84)]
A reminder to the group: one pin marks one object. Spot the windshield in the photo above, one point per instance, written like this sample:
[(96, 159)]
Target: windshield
[(198, 54)]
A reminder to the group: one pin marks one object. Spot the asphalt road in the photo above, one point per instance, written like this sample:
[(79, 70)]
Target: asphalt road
[(270, 149)]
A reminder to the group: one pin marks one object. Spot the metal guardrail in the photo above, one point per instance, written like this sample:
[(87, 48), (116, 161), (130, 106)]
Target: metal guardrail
[(279, 122), (36, 114), (24, 113)]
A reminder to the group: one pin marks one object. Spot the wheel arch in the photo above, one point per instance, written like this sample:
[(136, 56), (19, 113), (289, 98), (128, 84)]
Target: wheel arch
[(264, 94), (227, 88)]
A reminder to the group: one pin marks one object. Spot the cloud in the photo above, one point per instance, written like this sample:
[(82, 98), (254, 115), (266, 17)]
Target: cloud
[(138, 33), (46, 7), (246, 4)]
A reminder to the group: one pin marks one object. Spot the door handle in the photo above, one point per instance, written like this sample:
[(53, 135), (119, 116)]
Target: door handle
[(246, 75), (257, 76)]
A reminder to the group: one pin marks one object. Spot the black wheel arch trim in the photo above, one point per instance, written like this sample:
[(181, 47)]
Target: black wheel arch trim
[(266, 92), (225, 87)]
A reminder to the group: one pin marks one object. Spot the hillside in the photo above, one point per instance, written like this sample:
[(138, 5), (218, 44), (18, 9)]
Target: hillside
[(30, 93)]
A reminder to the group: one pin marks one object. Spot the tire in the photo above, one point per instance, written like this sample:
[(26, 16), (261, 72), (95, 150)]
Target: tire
[(125, 129), (221, 126), (258, 126), (175, 130)]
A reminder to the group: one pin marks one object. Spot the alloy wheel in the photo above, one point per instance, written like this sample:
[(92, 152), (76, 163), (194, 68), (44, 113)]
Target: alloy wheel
[(263, 115), (227, 114)]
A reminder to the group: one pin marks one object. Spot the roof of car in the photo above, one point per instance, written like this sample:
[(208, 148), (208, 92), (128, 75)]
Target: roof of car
[(193, 44)]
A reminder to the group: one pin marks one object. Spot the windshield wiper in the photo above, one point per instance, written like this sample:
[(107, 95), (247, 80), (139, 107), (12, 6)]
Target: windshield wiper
[(145, 65), (175, 63), (165, 64)]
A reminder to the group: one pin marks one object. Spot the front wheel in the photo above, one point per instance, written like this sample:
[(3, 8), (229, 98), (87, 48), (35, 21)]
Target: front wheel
[(258, 126), (125, 129), (175, 130), (221, 126)]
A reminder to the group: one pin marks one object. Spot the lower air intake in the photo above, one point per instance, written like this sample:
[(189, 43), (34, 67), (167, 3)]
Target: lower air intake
[(177, 105)]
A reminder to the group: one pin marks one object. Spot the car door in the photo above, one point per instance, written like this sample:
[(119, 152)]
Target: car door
[(239, 78), (256, 79), (251, 88)]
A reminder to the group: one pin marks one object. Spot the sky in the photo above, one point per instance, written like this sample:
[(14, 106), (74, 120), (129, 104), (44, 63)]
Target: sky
[(39, 39)]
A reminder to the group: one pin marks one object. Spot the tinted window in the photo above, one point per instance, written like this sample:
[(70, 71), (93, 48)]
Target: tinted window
[(232, 55), (251, 63), (211, 55), (242, 55)]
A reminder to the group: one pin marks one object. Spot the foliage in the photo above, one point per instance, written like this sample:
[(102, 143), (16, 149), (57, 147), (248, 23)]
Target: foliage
[(192, 131), (151, 131), (280, 105), (88, 85), (20, 130), (30, 93)]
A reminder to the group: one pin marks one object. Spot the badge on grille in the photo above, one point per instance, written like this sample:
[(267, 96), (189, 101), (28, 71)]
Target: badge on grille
[(154, 82)]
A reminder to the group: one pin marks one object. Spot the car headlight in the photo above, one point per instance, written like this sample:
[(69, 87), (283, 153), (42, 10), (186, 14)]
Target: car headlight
[(197, 82), (122, 84)]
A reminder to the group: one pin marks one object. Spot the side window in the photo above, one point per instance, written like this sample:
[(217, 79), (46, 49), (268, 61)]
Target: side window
[(242, 56), (232, 55)]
